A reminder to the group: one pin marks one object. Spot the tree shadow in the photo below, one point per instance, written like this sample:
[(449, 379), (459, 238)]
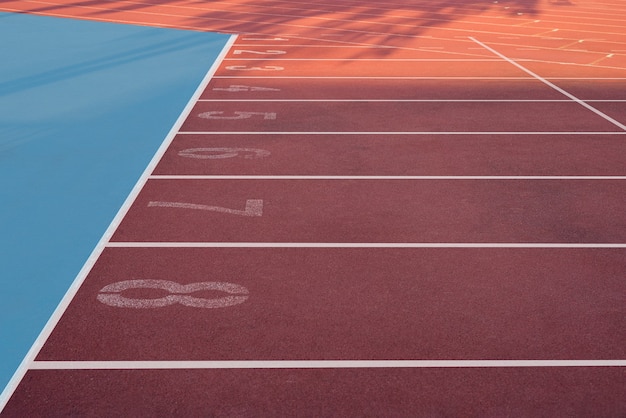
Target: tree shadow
[(380, 22), (387, 26)]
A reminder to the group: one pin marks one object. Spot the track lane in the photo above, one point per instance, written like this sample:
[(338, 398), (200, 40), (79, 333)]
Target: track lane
[(354, 304), (394, 155), (403, 392)]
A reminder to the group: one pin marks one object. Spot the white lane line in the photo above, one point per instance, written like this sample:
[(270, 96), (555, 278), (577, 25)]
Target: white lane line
[(306, 177), (315, 364), (228, 77), (415, 100), (401, 100), (555, 87), (371, 59), (398, 133), (366, 78), (71, 292), (128, 244)]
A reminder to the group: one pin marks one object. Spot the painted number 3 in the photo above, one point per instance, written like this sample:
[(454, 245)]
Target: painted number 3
[(178, 294)]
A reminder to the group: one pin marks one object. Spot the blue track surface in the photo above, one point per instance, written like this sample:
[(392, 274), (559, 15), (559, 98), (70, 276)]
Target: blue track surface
[(83, 107)]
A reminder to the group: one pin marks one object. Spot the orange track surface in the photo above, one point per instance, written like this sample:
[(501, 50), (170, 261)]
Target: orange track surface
[(528, 93)]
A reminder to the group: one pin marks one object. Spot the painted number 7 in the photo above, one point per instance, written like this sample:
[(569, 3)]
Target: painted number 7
[(254, 207), (237, 115)]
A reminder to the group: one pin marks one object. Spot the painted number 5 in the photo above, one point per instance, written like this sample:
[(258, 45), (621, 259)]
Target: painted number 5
[(179, 294), (245, 68)]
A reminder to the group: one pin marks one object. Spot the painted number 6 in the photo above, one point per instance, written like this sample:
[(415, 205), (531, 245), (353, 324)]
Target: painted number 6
[(223, 153), (237, 115), (179, 294)]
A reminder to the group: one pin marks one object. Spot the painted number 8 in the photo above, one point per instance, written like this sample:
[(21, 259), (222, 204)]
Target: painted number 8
[(178, 294)]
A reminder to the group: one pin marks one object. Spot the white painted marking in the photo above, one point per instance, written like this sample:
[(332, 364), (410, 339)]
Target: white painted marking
[(179, 294), (316, 364), (222, 153), (375, 59), (266, 52), (235, 88), (297, 177), (357, 245), (238, 115), (254, 207), (246, 68), (400, 133), (409, 78), (398, 100), (264, 39), (377, 77), (101, 245), (555, 87)]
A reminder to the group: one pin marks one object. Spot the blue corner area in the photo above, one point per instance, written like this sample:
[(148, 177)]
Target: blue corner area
[(83, 108)]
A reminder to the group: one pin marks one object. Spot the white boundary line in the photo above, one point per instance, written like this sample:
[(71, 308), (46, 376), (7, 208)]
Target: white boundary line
[(411, 78), (315, 364), (71, 292), (555, 87), (296, 177), (373, 59), (414, 100), (397, 133), (120, 244), (368, 78)]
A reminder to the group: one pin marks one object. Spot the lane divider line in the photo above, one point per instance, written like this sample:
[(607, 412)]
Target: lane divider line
[(27, 362), (554, 86), (410, 100), (399, 133), (370, 59), (412, 78), (126, 244), (262, 77), (313, 77), (315, 364), (308, 177)]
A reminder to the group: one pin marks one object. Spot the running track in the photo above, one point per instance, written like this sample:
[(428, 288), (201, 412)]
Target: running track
[(408, 209)]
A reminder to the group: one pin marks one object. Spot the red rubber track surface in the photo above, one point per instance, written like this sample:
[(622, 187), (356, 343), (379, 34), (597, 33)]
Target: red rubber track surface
[(406, 181)]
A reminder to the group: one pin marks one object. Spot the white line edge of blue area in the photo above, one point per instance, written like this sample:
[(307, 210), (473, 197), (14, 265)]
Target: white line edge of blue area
[(84, 106)]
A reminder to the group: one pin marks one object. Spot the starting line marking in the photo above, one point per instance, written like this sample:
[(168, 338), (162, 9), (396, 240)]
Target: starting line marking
[(315, 364), (128, 244)]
